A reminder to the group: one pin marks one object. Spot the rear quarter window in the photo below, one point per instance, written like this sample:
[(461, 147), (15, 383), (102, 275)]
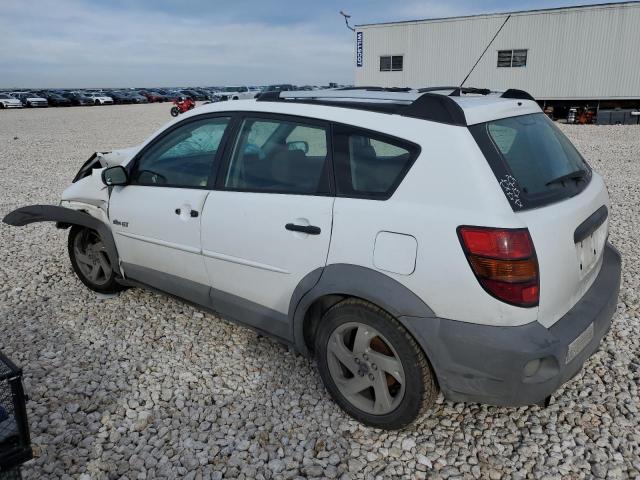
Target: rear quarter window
[(368, 164)]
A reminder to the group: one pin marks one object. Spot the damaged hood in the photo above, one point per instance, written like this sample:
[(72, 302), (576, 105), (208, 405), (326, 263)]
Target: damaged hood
[(106, 159), (116, 157)]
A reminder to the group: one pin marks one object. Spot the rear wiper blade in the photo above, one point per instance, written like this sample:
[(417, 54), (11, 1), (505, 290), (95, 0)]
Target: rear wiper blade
[(577, 175)]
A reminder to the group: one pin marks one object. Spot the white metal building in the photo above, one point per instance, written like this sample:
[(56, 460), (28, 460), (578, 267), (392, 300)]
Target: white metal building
[(574, 53)]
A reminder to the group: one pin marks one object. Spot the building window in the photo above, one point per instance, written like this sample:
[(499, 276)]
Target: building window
[(391, 63), (511, 58)]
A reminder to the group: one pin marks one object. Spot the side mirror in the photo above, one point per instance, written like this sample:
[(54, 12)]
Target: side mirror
[(113, 176), (299, 145)]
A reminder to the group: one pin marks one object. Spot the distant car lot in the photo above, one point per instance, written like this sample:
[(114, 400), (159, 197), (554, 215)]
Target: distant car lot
[(120, 96)]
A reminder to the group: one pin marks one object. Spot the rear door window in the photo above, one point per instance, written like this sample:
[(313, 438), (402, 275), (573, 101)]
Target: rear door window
[(532, 159), (368, 164), (280, 156)]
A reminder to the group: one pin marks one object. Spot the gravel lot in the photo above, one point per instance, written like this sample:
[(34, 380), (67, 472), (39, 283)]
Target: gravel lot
[(144, 386)]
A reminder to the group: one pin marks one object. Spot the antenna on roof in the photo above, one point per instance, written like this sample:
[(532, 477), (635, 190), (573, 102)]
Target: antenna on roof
[(346, 20), (485, 50)]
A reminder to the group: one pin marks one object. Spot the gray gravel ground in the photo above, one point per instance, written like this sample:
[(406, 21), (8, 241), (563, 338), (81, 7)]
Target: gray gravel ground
[(143, 386)]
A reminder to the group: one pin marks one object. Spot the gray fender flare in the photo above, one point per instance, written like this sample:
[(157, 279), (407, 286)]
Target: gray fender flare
[(355, 281), (51, 213)]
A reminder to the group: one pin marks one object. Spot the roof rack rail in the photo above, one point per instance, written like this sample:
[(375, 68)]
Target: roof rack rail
[(425, 106), (466, 90), (435, 89), (377, 89), (422, 103), (458, 91), (437, 108), (517, 94)]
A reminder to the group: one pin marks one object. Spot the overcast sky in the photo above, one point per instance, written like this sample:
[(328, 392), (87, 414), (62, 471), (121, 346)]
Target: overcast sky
[(122, 43)]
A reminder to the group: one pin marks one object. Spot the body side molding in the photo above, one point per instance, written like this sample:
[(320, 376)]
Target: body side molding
[(51, 213), (233, 308)]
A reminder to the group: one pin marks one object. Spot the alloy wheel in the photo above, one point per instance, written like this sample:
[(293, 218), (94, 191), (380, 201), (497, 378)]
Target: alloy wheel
[(365, 368), (91, 257)]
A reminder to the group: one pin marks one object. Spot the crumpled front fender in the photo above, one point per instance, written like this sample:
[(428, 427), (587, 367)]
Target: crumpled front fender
[(65, 216)]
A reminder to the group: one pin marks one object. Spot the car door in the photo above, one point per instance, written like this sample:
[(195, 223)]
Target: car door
[(268, 223), (156, 217)]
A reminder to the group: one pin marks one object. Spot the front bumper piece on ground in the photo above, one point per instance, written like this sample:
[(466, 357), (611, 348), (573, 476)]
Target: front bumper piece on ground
[(515, 366)]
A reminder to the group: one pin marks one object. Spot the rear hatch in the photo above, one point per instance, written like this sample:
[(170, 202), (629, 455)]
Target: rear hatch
[(556, 195)]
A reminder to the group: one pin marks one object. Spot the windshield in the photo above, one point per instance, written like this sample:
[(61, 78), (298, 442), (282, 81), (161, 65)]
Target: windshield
[(231, 89)]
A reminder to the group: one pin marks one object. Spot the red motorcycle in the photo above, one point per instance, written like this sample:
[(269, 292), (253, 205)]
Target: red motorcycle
[(181, 105)]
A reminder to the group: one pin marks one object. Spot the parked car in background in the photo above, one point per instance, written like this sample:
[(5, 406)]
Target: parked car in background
[(29, 99), (173, 95), (215, 95), (236, 93), (7, 101), (153, 96), (57, 100), (135, 97), (119, 98), (194, 95), (99, 98), (79, 99), (282, 87), (200, 94)]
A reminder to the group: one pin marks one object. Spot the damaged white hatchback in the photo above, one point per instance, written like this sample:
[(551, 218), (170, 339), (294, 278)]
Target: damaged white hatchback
[(392, 235)]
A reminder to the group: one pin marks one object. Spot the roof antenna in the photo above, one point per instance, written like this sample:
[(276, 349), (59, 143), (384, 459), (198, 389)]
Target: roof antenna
[(346, 20), (485, 50)]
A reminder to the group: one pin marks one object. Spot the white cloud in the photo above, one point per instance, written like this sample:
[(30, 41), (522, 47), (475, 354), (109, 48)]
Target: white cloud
[(67, 43)]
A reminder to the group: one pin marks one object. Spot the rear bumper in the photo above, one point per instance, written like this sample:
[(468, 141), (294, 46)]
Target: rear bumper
[(479, 363)]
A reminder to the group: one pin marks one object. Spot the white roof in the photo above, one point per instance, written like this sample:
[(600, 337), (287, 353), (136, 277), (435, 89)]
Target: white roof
[(480, 109)]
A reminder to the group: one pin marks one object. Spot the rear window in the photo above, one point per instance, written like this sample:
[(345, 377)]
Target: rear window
[(532, 159)]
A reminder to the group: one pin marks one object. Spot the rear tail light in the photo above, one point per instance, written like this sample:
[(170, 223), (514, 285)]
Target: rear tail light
[(504, 262)]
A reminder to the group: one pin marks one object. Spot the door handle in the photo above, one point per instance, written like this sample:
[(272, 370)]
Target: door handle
[(310, 229), (192, 213)]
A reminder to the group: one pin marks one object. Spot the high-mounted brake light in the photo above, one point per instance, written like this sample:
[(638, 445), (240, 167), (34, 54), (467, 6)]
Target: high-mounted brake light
[(504, 262)]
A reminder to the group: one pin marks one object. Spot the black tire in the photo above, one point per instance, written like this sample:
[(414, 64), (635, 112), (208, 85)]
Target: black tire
[(175, 111), (105, 279), (420, 387)]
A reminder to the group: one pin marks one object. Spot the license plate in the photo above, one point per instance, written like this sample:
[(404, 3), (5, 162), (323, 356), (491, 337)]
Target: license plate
[(579, 343), (590, 249)]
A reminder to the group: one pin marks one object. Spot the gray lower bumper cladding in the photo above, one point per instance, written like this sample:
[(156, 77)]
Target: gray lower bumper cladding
[(515, 366)]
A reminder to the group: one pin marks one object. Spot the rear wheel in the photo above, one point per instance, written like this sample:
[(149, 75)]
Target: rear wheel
[(372, 367), (175, 111), (90, 261)]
